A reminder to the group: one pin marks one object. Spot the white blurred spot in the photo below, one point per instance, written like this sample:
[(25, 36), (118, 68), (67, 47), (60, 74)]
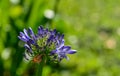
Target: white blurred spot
[(49, 14), (15, 1), (6, 53), (110, 43)]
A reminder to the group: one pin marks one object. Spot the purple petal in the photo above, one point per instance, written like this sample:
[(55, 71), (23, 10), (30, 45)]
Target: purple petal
[(31, 31), (60, 44), (71, 51), (22, 34), (61, 37), (40, 30), (66, 48), (50, 38), (53, 32), (46, 31), (23, 39), (31, 41), (67, 58), (53, 52), (25, 33), (56, 37), (28, 48)]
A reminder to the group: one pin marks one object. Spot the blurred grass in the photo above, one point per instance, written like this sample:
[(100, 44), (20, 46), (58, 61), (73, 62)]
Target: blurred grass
[(92, 27)]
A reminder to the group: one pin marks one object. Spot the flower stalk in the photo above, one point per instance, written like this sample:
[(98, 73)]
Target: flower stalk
[(40, 67)]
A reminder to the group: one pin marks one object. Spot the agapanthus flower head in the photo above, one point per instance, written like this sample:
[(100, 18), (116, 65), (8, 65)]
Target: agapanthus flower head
[(46, 43)]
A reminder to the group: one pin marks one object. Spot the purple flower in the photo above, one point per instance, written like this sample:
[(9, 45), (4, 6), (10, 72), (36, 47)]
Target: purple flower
[(46, 42), (62, 51)]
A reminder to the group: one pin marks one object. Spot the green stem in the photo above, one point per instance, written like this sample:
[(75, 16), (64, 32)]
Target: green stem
[(40, 68)]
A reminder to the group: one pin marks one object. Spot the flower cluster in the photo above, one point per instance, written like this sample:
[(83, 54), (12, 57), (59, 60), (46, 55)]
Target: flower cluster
[(46, 43)]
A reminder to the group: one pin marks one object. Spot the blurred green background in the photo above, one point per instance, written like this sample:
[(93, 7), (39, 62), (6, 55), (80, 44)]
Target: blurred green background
[(92, 27)]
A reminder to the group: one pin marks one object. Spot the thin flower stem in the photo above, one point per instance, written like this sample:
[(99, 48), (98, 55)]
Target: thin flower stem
[(40, 68)]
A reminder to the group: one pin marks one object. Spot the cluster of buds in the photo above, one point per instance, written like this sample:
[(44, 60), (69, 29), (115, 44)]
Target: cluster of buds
[(46, 43)]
